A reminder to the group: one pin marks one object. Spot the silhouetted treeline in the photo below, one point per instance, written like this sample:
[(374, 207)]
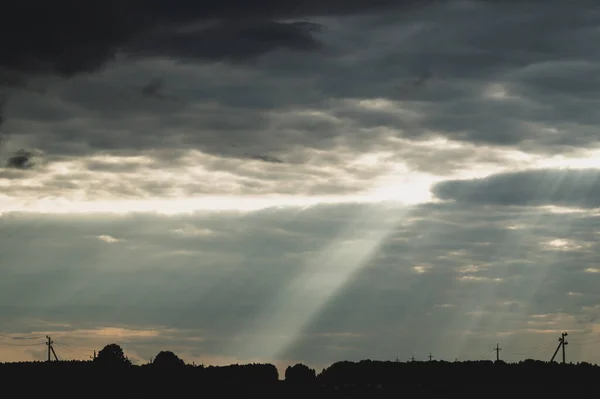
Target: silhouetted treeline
[(111, 373), (437, 375)]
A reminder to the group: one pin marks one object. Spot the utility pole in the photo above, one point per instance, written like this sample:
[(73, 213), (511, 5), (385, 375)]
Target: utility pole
[(412, 358), (430, 357), (49, 344), (50, 348), (497, 349), (564, 343), (561, 343)]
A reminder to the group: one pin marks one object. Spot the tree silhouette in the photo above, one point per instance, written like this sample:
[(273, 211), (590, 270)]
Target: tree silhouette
[(167, 360), (112, 356), (300, 374)]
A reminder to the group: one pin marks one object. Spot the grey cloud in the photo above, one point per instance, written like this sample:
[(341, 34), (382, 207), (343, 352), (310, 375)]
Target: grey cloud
[(567, 188), (267, 158), (22, 159), (160, 174), (120, 167), (259, 106), (210, 288), (236, 42), (68, 39), (153, 88)]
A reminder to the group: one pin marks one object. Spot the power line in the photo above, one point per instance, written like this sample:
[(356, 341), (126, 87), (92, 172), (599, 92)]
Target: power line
[(72, 351), (12, 344), (19, 338)]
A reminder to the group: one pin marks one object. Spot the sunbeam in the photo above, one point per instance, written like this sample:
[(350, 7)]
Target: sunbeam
[(318, 281)]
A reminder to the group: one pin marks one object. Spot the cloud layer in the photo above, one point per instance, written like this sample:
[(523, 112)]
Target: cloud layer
[(444, 274), (564, 188), (438, 70)]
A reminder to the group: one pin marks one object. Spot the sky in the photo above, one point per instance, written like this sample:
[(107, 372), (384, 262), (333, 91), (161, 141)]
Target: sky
[(300, 181)]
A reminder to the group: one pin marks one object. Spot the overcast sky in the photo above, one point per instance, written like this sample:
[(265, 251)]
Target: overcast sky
[(300, 181)]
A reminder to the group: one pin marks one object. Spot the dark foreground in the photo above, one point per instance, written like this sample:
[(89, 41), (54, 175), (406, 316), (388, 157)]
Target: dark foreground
[(343, 379)]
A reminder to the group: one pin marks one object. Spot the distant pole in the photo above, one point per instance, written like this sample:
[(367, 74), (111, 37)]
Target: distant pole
[(564, 343), (557, 349), (49, 343), (497, 349), (412, 358), (430, 357), (561, 343)]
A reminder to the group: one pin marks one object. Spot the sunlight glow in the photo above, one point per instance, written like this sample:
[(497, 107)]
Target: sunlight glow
[(479, 279), (169, 206), (592, 270), (585, 160), (399, 185), (108, 239), (564, 245), (403, 187), (421, 269), (106, 175), (383, 105)]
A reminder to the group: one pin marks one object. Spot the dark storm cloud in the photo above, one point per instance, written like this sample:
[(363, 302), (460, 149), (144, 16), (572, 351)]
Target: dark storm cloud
[(460, 50), (567, 188), (67, 37), (502, 74), (234, 42)]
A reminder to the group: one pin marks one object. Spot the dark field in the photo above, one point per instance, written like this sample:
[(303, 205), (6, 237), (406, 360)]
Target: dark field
[(342, 379)]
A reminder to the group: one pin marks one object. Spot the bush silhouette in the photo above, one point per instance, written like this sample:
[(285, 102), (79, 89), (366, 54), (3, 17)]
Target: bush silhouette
[(300, 374), (167, 360), (112, 356)]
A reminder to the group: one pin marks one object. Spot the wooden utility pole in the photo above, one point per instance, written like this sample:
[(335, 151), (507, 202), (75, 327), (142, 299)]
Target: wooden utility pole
[(564, 343), (561, 343), (430, 357), (412, 358), (49, 344), (497, 349), (51, 348)]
